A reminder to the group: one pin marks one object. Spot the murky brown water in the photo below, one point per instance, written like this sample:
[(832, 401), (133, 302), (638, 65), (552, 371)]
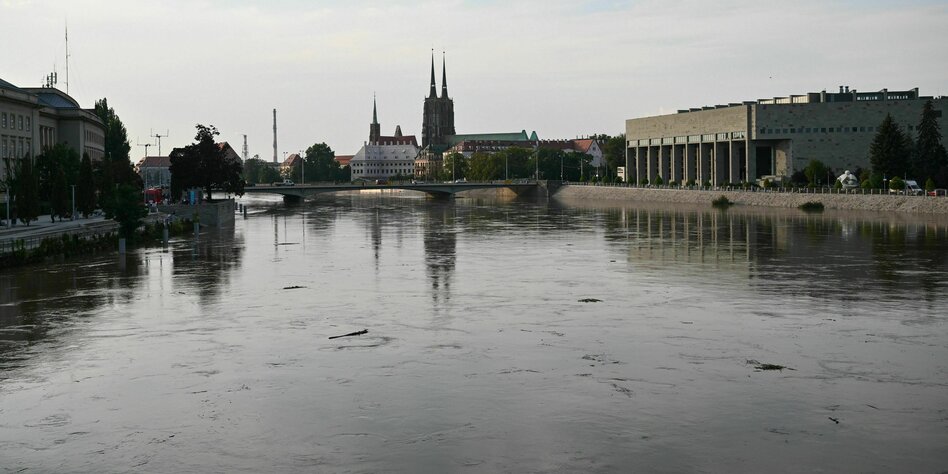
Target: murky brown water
[(480, 356)]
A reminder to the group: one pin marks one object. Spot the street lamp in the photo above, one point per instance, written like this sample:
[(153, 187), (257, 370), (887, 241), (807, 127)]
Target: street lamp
[(73, 201), (303, 170), (561, 167), (506, 169)]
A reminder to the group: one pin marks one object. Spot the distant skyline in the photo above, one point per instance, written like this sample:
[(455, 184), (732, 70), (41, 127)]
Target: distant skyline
[(561, 68)]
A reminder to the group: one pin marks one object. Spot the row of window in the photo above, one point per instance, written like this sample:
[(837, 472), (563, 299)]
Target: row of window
[(17, 122), (11, 147), (818, 130)]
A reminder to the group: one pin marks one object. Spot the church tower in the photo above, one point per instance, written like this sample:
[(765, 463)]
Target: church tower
[(375, 130), (438, 119)]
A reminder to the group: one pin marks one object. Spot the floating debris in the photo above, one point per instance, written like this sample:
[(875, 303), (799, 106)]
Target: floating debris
[(357, 333), (834, 420), (294, 287), (590, 300)]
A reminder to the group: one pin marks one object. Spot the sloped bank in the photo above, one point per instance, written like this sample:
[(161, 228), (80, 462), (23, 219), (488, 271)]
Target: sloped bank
[(867, 202)]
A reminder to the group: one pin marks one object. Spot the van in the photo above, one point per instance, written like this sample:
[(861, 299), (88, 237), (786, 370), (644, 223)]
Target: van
[(911, 187)]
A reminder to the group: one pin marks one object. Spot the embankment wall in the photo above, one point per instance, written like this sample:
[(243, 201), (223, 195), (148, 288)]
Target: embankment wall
[(867, 202)]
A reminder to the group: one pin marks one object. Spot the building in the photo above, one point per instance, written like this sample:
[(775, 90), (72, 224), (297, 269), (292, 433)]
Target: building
[(343, 160), (155, 171), (586, 146), (439, 135), (384, 157), (767, 137), (34, 119)]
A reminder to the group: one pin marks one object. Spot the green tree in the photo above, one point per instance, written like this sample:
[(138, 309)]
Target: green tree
[(321, 164), (889, 150), (455, 167), (85, 187), (59, 196), (116, 147), (484, 166), (27, 193), (816, 171), (129, 210), (115, 167), (204, 165), (930, 159)]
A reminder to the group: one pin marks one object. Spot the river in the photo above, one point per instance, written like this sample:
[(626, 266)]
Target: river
[(503, 336)]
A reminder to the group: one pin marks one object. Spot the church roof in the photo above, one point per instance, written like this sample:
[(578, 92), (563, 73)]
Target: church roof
[(452, 140)]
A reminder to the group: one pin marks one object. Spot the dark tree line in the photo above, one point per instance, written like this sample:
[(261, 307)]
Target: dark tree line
[(893, 153), (204, 165)]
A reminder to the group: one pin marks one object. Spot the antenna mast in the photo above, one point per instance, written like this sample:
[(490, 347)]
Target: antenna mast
[(146, 145), (159, 137), (67, 62), (246, 153), (275, 135)]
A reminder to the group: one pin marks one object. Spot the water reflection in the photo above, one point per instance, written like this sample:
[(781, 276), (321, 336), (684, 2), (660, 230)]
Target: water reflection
[(836, 254), (440, 241), (42, 301)]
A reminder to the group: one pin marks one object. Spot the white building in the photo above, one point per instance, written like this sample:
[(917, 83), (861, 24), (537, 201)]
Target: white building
[(384, 161)]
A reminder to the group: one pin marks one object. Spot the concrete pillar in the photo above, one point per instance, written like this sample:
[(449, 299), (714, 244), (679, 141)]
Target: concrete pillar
[(662, 163), (734, 165), (688, 172), (641, 166), (750, 160), (652, 172), (677, 162)]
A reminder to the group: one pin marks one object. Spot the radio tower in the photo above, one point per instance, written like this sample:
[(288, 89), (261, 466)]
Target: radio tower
[(275, 136), (159, 137), (246, 153)]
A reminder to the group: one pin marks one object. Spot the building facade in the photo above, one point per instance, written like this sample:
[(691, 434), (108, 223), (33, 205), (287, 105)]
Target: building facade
[(384, 157), (34, 119), (745, 141)]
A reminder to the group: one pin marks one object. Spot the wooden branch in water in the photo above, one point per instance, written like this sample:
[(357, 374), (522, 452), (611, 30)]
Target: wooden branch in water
[(357, 333)]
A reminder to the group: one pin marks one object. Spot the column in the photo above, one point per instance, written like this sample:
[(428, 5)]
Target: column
[(652, 172), (734, 165), (750, 160)]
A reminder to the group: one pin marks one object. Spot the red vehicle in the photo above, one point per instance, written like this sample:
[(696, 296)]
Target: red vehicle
[(154, 195)]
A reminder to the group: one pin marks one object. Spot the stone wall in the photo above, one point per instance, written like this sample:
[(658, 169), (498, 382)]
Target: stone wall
[(914, 204), (212, 214)]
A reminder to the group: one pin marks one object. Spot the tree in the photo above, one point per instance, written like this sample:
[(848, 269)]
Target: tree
[(27, 196), (929, 158), (484, 166), (115, 167), (59, 197), (455, 167), (116, 147), (815, 171), (204, 165), (321, 164), (889, 149), (85, 188), (129, 210)]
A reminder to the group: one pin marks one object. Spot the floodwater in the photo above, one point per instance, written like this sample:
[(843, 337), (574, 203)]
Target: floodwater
[(214, 356)]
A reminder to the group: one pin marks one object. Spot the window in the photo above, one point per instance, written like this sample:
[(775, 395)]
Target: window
[(3, 120), (822, 129), (20, 122), (27, 124), (3, 150)]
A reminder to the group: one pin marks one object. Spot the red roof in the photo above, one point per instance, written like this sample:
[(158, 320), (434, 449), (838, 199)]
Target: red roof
[(155, 162), (344, 159)]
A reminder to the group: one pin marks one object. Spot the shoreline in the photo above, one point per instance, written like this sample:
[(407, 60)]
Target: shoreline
[(855, 202)]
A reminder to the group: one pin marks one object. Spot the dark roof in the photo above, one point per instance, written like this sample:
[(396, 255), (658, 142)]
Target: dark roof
[(7, 85), (56, 101), (155, 162)]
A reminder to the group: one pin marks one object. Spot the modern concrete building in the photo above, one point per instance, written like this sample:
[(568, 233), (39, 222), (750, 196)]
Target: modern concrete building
[(34, 119), (767, 137)]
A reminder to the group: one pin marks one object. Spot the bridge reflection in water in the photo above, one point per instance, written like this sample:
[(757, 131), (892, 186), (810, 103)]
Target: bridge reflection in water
[(299, 192)]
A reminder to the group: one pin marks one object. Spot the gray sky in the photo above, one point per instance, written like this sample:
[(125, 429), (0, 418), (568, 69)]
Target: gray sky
[(562, 68)]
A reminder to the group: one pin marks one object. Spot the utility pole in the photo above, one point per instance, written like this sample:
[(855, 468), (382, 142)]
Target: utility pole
[(159, 137), (67, 58), (303, 168)]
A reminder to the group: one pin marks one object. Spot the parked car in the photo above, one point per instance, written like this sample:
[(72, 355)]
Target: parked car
[(938, 192)]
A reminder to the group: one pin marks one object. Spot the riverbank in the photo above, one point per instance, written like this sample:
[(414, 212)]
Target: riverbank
[(864, 202)]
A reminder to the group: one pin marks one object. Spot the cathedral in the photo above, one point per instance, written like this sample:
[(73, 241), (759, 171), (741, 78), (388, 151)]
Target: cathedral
[(438, 120)]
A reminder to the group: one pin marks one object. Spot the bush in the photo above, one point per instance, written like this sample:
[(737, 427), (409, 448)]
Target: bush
[(722, 202), (812, 206), (659, 181), (897, 184), (929, 185)]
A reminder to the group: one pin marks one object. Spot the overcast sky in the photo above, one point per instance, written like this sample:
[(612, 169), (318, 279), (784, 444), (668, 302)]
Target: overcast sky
[(562, 68)]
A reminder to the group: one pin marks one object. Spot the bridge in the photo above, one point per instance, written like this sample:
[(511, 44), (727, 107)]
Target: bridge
[(442, 190)]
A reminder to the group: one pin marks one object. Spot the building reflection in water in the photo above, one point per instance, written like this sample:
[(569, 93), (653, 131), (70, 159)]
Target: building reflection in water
[(440, 241), (787, 250)]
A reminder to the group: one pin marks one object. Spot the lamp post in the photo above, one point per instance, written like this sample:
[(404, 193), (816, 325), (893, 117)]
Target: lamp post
[(506, 169), (561, 167), (303, 170), (884, 180), (537, 163), (7, 189), (73, 201)]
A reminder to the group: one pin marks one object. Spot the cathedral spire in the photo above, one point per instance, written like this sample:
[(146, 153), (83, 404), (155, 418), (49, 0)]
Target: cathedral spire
[(444, 78), (433, 92), (375, 115)]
